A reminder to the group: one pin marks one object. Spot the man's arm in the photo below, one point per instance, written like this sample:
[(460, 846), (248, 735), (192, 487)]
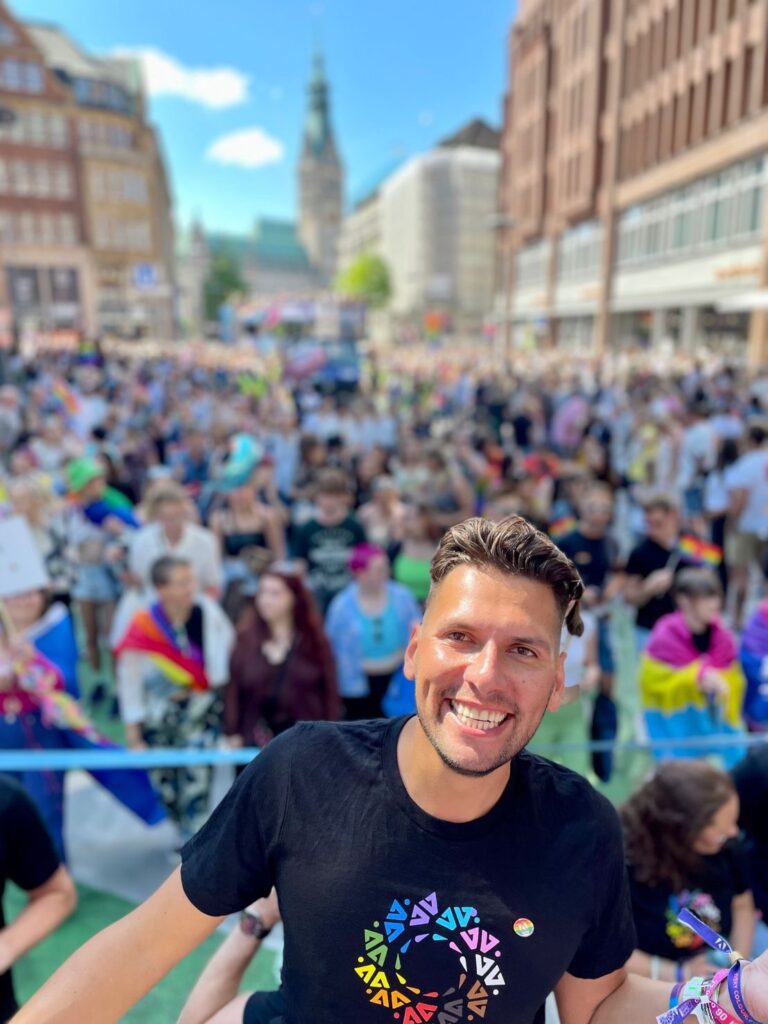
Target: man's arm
[(48, 905), (111, 972), (737, 502)]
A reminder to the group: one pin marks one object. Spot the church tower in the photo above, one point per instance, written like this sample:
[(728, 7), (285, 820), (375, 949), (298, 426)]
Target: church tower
[(321, 179)]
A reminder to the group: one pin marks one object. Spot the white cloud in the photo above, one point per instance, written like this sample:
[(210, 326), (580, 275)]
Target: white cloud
[(211, 87), (249, 147)]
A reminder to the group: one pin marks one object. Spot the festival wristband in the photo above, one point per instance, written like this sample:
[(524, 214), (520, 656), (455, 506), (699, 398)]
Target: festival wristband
[(708, 934), (737, 996)]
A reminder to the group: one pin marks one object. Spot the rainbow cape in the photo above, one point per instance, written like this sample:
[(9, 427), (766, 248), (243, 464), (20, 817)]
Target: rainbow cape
[(561, 527), (674, 704), (754, 661), (700, 551), (151, 633)]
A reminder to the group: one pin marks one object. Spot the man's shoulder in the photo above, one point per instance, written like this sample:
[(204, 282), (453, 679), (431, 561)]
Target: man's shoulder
[(562, 793), (314, 749)]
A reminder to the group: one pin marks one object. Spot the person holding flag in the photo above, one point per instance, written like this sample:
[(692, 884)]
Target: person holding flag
[(172, 661)]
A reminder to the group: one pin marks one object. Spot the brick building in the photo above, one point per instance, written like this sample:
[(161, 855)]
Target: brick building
[(635, 151)]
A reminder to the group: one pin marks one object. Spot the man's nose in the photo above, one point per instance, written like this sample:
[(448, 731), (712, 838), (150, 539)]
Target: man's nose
[(484, 665)]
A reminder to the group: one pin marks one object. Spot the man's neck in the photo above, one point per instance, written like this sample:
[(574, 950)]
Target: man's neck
[(439, 790), (174, 536), (177, 616), (592, 532)]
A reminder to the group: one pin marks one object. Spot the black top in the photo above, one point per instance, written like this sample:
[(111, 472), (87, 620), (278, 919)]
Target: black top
[(384, 904), (326, 550), (27, 858), (751, 779), (236, 543), (594, 558), (646, 558), (708, 895)]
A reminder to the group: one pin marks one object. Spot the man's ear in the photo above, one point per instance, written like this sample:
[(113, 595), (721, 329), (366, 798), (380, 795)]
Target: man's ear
[(557, 693), (409, 665)]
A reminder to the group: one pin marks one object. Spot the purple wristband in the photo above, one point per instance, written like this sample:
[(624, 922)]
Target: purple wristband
[(737, 997)]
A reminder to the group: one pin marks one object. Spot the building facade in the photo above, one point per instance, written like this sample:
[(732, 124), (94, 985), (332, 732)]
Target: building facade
[(125, 194), (46, 274), (432, 223), (635, 160)]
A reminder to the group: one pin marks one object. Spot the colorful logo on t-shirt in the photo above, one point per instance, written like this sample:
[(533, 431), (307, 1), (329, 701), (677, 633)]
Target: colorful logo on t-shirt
[(385, 972), (699, 903)]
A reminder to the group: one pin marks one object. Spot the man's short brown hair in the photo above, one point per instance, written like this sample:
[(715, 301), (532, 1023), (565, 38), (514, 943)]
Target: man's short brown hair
[(515, 548)]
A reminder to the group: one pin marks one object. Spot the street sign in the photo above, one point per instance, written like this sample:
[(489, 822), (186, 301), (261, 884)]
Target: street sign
[(145, 276)]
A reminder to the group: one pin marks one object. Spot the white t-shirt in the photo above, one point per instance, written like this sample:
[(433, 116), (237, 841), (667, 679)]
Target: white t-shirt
[(198, 545), (750, 472), (576, 648)]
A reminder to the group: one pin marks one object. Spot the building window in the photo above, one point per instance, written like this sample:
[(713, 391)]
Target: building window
[(62, 182), (67, 231)]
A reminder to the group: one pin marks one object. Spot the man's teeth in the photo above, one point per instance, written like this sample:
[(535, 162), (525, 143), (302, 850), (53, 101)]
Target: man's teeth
[(477, 717)]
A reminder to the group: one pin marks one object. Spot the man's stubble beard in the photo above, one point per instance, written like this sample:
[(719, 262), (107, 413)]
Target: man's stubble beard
[(504, 757)]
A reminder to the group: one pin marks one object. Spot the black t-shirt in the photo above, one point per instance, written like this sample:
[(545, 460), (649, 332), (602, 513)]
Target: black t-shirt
[(751, 779), (385, 906), (27, 858), (594, 558), (646, 558), (326, 550), (708, 896)]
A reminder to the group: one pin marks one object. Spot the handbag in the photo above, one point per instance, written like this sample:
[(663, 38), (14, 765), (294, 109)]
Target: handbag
[(264, 729)]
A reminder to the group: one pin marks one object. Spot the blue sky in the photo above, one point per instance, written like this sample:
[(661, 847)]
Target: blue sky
[(228, 81)]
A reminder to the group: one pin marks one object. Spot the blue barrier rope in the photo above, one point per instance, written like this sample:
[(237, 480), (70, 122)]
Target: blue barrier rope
[(171, 757)]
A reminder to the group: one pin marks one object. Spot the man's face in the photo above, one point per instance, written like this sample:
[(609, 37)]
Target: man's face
[(597, 510), (180, 590), (659, 523), (172, 516), (487, 665)]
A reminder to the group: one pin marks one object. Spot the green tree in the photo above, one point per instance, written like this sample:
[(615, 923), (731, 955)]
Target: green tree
[(224, 280), (366, 279)]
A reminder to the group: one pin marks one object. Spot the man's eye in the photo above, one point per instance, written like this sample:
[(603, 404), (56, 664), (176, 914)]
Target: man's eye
[(456, 635), (524, 652)]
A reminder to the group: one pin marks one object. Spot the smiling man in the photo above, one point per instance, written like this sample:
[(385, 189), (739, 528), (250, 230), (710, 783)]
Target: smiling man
[(428, 868)]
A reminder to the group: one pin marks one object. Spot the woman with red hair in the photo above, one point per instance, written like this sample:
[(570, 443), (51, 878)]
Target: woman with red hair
[(281, 670)]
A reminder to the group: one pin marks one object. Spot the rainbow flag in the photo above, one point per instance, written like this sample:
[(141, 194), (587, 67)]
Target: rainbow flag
[(65, 398), (561, 527), (151, 633), (700, 551)]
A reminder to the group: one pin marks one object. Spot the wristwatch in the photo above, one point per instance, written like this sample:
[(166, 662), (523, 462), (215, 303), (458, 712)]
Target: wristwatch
[(252, 924)]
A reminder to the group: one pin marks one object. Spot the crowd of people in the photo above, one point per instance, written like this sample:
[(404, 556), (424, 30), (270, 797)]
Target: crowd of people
[(224, 562)]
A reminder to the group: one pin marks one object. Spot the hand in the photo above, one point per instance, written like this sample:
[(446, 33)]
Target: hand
[(137, 745), (713, 682), (20, 649), (754, 987), (233, 742), (659, 582), (591, 678), (7, 957)]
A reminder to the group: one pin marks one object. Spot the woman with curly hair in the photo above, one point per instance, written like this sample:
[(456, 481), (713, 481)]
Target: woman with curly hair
[(680, 829)]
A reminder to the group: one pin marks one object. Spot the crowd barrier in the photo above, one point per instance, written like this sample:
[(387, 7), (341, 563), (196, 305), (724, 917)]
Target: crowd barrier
[(172, 757)]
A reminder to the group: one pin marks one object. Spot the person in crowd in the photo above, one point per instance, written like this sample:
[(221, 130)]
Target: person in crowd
[(171, 664), (748, 542), (38, 713), (651, 567), (170, 532), (450, 492), (29, 860), (750, 777), (594, 552), (250, 533), (191, 462), (32, 502), (325, 542), (753, 654), (415, 552), (282, 669), (429, 799), (680, 831), (691, 683), (369, 624), (383, 517), (568, 725), (100, 523), (717, 499)]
